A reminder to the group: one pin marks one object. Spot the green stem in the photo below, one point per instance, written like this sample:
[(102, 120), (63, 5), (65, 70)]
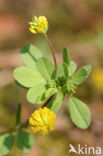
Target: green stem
[(18, 114), (53, 53)]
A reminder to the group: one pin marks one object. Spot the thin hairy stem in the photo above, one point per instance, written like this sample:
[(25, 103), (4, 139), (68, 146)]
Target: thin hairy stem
[(53, 53)]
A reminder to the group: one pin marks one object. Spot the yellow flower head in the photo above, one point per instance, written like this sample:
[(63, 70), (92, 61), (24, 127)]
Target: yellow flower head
[(97, 78), (43, 120), (39, 25)]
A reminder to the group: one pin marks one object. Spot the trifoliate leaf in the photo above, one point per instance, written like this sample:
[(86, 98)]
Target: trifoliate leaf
[(6, 143), (30, 54), (65, 56), (25, 141), (27, 76), (79, 113), (55, 103), (72, 67), (34, 93), (46, 68)]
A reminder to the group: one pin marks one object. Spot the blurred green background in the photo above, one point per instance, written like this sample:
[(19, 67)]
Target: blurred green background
[(76, 24)]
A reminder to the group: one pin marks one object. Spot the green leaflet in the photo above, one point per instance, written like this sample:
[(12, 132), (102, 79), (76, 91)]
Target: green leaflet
[(55, 103), (30, 54), (46, 68), (34, 93), (49, 92), (72, 67), (27, 76), (62, 70), (88, 69), (79, 76), (25, 141), (6, 143), (46, 95), (66, 56), (79, 113)]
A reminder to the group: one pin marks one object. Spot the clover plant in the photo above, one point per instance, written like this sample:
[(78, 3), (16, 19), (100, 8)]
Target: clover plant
[(47, 84)]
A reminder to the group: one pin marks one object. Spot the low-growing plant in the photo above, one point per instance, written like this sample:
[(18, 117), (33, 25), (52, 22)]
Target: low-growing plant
[(47, 84)]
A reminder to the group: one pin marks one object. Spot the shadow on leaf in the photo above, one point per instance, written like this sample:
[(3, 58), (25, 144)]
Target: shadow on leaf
[(25, 141)]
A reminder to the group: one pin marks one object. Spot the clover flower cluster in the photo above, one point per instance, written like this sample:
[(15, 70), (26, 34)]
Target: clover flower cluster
[(43, 120), (38, 25)]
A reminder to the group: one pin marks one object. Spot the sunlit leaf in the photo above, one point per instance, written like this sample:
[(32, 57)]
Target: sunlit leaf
[(79, 113), (34, 93), (79, 76), (55, 103), (88, 69), (46, 68), (46, 95), (30, 54), (60, 71), (28, 77), (72, 67)]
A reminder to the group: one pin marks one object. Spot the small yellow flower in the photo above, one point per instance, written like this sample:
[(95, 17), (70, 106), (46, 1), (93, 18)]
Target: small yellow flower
[(39, 25), (43, 120), (97, 78)]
